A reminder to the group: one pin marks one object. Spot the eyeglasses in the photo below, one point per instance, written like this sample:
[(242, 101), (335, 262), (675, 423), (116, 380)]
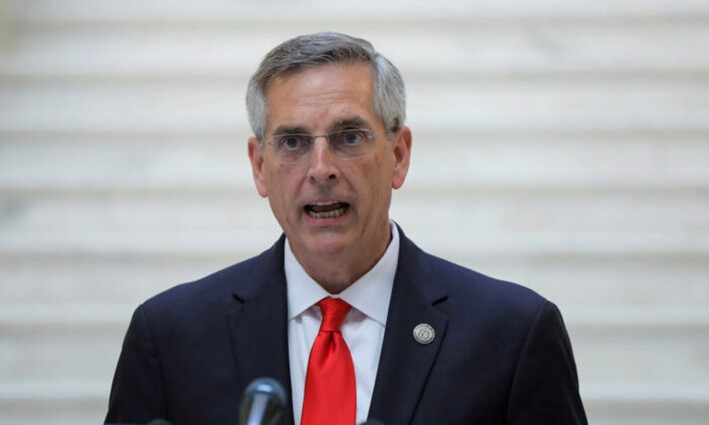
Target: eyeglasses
[(345, 144)]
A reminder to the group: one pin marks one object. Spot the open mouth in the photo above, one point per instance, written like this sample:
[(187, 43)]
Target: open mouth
[(330, 209)]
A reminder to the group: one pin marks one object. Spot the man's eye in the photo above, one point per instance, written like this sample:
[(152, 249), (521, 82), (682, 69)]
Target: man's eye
[(291, 142), (351, 137)]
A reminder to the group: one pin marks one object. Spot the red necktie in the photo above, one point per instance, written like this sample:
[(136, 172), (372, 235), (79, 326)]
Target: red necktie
[(330, 394)]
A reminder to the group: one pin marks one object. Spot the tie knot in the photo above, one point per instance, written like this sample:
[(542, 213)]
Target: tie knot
[(334, 311)]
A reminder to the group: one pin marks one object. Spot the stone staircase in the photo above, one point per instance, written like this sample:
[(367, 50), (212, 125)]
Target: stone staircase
[(563, 145)]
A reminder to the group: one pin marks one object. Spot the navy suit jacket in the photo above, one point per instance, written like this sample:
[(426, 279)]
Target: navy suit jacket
[(501, 354)]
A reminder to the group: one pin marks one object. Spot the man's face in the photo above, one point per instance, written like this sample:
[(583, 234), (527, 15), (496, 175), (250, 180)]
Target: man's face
[(330, 207)]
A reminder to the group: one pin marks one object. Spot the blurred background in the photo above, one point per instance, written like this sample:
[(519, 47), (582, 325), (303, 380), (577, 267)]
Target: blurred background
[(563, 145)]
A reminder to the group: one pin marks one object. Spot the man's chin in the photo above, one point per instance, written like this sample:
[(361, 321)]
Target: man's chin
[(327, 244)]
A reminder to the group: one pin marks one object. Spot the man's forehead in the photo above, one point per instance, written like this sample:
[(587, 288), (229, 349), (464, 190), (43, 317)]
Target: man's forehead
[(289, 99)]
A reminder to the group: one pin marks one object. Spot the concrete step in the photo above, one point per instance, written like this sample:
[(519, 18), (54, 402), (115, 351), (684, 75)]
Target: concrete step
[(81, 342), (53, 402), (77, 11), (640, 344), (452, 48), (457, 160), (91, 277), (61, 342), (444, 211), (621, 159), (608, 403), (595, 248), (487, 244), (60, 358), (623, 403), (521, 106)]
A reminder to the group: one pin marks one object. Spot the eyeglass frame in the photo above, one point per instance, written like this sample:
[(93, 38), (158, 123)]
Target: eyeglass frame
[(368, 134)]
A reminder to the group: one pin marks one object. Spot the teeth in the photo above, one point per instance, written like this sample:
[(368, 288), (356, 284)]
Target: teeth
[(326, 214), (326, 209), (330, 214)]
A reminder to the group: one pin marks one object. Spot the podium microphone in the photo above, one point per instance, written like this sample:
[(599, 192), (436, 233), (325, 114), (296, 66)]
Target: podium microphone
[(263, 403)]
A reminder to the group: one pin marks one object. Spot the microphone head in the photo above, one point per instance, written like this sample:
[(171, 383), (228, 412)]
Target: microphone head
[(267, 386), (263, 403), (372, 422)]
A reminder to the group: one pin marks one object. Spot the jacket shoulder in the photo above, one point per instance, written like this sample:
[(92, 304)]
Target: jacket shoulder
[(465, 281), (467, 291), (240, 280)]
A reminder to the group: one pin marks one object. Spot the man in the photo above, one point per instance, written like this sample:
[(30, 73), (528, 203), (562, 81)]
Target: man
[(425, 341)]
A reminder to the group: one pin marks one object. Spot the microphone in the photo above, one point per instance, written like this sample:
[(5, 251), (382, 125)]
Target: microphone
[(372, 422), (263, 403), (158, 422)]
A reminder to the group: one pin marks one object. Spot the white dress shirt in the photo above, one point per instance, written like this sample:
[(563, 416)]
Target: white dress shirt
[(362, 329)]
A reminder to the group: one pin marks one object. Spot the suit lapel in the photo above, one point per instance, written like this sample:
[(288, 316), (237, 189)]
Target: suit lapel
[(405, 364), (258, 324)]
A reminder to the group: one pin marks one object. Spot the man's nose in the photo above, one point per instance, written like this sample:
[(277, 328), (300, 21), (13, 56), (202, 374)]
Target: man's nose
[(323, 163)]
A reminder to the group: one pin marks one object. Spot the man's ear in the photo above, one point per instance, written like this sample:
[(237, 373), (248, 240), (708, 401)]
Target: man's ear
[(256, 158), (402, 156)]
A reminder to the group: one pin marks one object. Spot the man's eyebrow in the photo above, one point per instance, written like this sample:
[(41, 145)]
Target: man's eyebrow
[(290, 129), (353, 122)]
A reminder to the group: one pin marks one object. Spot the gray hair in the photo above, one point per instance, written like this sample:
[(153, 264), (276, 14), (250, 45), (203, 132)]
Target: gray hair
[(312, 50)]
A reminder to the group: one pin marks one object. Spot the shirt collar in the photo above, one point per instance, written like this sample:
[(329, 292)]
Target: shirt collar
[(370, 294)]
